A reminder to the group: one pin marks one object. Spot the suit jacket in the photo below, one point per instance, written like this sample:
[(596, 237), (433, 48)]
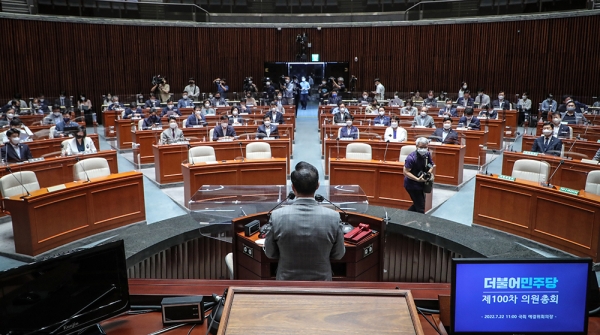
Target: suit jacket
[(262, 131), (71, 147), (427, 121), (129, 112), (475, 123), (67, 102), (192, 121), (218, 132), (385, 120), (167, 112), (149, 122), (305, 237), (150, 104), (277, 118), (114, 106), (504, 105), (337, 118), (461, 102), (553, 148), (563, 131), (10, 154), (451, 138), (352, 132), (167, 136), (452, 112), (236, 119)]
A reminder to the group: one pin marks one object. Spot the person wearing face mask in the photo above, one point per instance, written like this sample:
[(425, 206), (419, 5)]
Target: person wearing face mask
[(275, 114), (13, 105), (185, 101), (395, 133), (172, 134), (207, 109), (379, 90), (192, 90), (115, 104), (106, 99), (482, 99), (250, 101), (423, 120), (151, 121), (485, 112), (396, 101), (408, 109), (365, 99), (133, 111), (372, 108), (268, 91), (36, 107), (222, 87), (249, 86), (66, 122), (223, 129), (267, 129), (287, 96), (573, 115), (44, 104), (431, 100), (235, 118), (80, 143), (9, 114), (469, 121), (162, 89), (560, 130), (197, 119), (446, 134), (348, 131), (84, 104), (416, 164), (381, 119), (463, 88), (14, 151), (335, 98), (16, 123), (152, 101), (524, 107), (279, 103), (54, 117), (548, 106), (448, 109), (342, 115), (170, 110), (466, 100), (304, 90), (417, 97), (323, 90), (218, 100), (566, 99), (547, 144), (442, 96), (63, 101), (501, 102)]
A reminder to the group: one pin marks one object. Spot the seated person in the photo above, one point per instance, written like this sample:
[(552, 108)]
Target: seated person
[(485, 112), (573, 116), (396, 101), (185, 101), (548, 106), (469, 121), (16, 123), (560, 130), (408, 109), (243, 108), (14, 151), (365, 99), (151, 121), (235, 117), (431, 100), (196, 119), (349, 131), (267, 129), (394, 133), (207, 109), (381, 119), (501, 103), (223, 129), (275, 114), (482, 99), (337, 109), (547, 144), (54, 117), (334, 98), (466, 100), (37, 107), (342, 116), (172, 134), (133, 111), (446, 134), (424, 120), (115, 104), (417, 97), (597, 156), (66, 122), (449, 110), (152, 102), (80, 144), (170, 110), (7, 117), (372, 108), (218, 101), (250, 101)]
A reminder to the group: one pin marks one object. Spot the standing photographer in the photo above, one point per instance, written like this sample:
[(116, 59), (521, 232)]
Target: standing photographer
[(418, 176), (249, 87), (161, 88), (192, 90), (221, 87), (288, 91)]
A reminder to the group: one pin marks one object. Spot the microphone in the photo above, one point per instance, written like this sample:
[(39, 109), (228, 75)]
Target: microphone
[(548, 184), (241, 150), (387, 143), (338, 149), (18, 181), (571, 148), (265, 229), (516, 138), (83, 167), (290, 196), (346, 227)]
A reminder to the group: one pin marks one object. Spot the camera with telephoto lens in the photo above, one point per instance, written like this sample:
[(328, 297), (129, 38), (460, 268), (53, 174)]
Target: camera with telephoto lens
[(247, 80), (426, 175), (157, 80)]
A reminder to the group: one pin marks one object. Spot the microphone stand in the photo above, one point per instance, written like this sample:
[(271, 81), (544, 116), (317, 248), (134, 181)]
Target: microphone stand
[(548, 184), (83, 167), (346, 227), (387, 143), (241, 150), (338, 149)]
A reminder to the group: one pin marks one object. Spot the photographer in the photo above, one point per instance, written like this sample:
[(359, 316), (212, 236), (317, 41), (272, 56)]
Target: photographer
[(287, 92), (338, 85), (161, 88), (269, 91), (221, 87), (192, 90), (418, 176), (249, 87)]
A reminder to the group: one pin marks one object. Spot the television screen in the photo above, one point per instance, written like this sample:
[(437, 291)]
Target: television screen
[(538, 296), (66, 293)]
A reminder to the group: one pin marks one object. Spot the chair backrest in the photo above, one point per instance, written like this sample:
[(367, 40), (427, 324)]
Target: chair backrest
[(570, 132), (91, 167), (64, 145), (359, 151), (141, 124), (592, 183), (405, 151), (202, 153), (51, 134), (210, 134), (9, 184), (258, 150), (531, 170), (184, 123)]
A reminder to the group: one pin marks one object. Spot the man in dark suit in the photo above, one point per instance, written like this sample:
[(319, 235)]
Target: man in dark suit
[(152, 102), (62, 100), (448, 110), (547, 144), (223, 129), (275, 115), (560, 130), (469, 121), (349, 131), (14, 151), (170, 109), (501, 103), (445, 134), (466, 100), (381, 119), (267, 129), (151, 120), (305, 236), (342, 116)]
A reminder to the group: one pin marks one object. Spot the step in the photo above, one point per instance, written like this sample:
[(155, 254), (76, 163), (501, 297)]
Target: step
[(15, 6)]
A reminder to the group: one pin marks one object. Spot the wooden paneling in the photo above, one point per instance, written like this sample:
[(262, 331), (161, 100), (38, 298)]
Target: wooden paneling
[(556, 55)]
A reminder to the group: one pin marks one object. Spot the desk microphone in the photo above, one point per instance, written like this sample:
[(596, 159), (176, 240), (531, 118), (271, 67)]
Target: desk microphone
[(387, 143), (241, 150), (571, 148), (548, 184), (290, 196), (265, 229), (516, 138), (346, 227), (83, 168), (18, 181), (338, 149)]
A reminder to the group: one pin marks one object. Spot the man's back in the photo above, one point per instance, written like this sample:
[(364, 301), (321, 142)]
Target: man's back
[(304, 237)]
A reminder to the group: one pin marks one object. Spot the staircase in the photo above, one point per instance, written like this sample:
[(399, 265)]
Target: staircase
[(15, 6)]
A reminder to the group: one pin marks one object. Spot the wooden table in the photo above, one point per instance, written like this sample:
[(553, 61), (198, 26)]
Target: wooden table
[(590, 133), (46, 220), (47, 146), (168, 158), (449, 158), (545, 215), (582, 149), (235, 172), (108, 120), (383, 183), (253, 119)]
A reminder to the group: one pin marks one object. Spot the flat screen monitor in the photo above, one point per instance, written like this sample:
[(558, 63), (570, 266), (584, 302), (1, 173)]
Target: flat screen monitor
[(64, 294), (525, 296)]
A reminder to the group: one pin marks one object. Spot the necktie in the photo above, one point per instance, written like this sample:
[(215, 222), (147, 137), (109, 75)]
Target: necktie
[(394, 133), (546, 144), (173, 132)]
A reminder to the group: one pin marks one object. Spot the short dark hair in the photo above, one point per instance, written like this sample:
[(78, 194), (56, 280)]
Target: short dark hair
[(447, 119), (172, 118), (469, 111), (556, 114), (15, 122), (169, 101), (467, 92), (11, 131), (548, 124), (266, 117), (305, 178), (223, 117)]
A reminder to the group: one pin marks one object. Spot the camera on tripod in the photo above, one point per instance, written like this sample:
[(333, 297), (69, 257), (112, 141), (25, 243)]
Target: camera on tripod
[(156, 80)]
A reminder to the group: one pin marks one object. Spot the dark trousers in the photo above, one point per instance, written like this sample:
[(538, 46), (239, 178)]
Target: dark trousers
[(303, 100), (418, 198)]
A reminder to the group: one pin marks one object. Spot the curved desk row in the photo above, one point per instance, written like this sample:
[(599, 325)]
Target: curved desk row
[(579, 147), (47, 146)]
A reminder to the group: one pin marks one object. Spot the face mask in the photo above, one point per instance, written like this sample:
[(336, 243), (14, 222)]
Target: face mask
[(571, 109), (267, 123), (268, 83), (323, 83), (395, 97), (170, 106), (394, 125), (464, 86), (210, 95), (448, 106), (524, 97), (423, 114), (42, 100), (365, 96), (556, 121), (381, 113), (78, 136), (66, 120), (303, 79), (224, 124), (547, 132), (173, 125), (422, 151), (108, 97), (447, 126), (15, 140), (501, 97), (152, 99), (249, 81), (206, 105), (198, 113), (287, 81), (342, 109), (348, 123), (185, 97), (430, 96), (82, 99), (279, 97), (235, 113), (56, 114), (480, 94), (334, 95), (10, 116)]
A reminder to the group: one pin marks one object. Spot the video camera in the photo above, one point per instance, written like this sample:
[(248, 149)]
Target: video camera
[(158, 80), (426, 175), (247, 80)]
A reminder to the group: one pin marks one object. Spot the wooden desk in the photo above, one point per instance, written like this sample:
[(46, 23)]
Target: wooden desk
[(571, 174), (590, 133), (383, 183), (253, 172), (168, 158), (253, 119), (108, 120), (47, 146), (560, 220), (31, 120), (449, 158), (44, 221), (587, 148)]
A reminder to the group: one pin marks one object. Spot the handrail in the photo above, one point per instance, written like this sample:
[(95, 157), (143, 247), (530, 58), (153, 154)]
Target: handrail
[(428, 1)]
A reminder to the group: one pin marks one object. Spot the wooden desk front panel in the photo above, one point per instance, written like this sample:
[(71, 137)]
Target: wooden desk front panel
[(587, 148), (474, 141), (123, 129), (31, 120), (47, 146), (103, 204), (254, 172), (108, 120), (567, 222)]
